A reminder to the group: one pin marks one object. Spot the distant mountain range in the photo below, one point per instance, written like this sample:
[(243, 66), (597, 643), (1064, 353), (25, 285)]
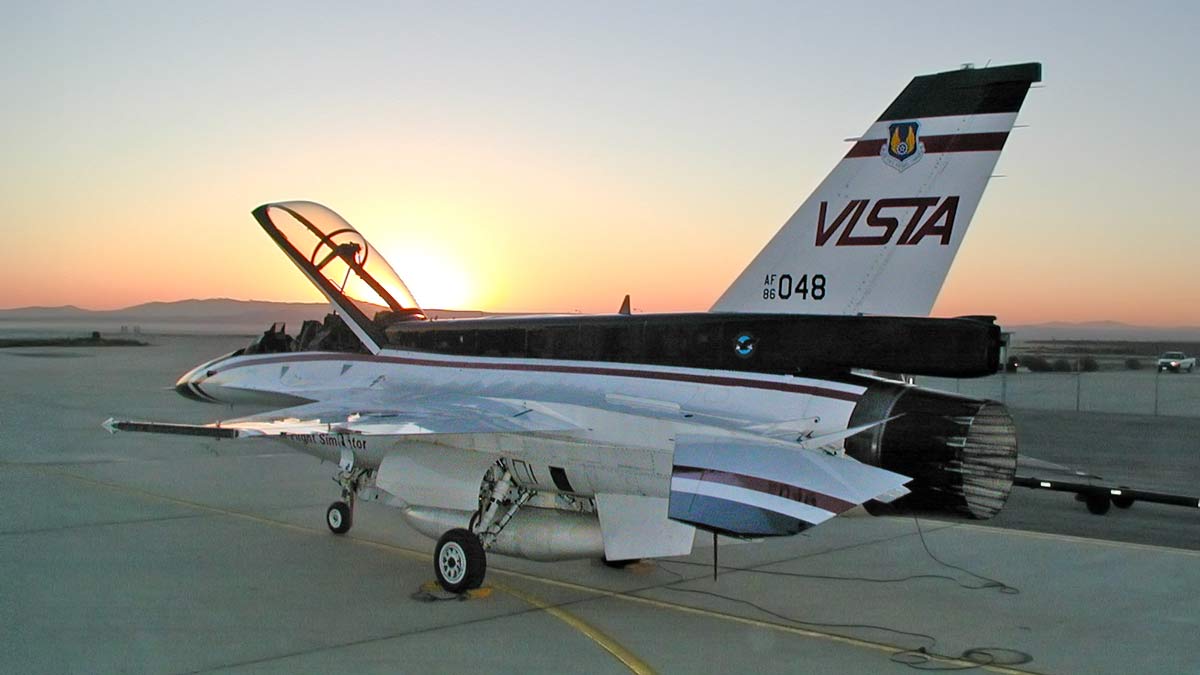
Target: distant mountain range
[(225, 315), (183, 310), (211, 316), (1104, 331)]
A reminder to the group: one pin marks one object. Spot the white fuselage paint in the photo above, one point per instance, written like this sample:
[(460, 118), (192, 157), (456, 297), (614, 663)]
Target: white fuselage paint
[(628, 415)]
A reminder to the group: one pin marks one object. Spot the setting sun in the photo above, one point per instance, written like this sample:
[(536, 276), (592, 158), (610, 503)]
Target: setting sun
[(436, 281)]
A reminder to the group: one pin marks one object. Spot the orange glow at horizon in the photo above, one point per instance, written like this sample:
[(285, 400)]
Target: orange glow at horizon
[(454, 257), (497, 251), (466, 231), (494, 178)]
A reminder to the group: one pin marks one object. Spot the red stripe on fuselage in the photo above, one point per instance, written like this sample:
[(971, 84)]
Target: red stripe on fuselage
[(719, 380), (795, 493)]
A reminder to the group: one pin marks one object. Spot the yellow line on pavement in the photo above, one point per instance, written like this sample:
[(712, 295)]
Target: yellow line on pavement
[(626, 657), (600, 638), (610, 645), (757, 623)]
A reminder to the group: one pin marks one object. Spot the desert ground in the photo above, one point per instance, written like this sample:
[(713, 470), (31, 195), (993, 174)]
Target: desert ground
[(140, 553)]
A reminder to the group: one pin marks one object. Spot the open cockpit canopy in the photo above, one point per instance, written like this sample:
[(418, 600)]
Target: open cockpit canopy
[(343, 265)]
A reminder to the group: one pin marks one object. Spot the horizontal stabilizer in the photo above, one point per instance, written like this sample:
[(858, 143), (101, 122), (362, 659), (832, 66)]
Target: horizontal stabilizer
[(759, 488)]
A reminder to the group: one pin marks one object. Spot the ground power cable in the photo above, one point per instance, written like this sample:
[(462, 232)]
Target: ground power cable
[(919, 658)]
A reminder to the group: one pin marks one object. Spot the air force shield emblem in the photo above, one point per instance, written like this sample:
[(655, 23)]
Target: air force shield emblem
[(903, 147)]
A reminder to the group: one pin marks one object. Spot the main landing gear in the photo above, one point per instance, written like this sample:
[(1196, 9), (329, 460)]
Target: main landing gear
[(340, 514), (460, 557), (459, 561)]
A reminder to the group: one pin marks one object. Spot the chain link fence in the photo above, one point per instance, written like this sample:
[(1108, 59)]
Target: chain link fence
[(1137, 392)]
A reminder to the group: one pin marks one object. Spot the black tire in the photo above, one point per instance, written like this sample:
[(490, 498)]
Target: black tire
[(1122, 502), (1098, 504), (339, 517), (619, 564), (459, 561)]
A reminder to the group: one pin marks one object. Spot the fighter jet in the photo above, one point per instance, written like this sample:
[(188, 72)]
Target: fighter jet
[(621, 436)]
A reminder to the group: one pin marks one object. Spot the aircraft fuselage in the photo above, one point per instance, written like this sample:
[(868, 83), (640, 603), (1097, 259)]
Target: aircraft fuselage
[(627, 452)]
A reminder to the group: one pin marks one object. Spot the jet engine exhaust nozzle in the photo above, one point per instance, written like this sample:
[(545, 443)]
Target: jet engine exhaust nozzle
[(961, 452)]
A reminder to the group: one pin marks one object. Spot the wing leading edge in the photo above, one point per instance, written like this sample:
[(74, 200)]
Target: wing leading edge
[(428, 415)]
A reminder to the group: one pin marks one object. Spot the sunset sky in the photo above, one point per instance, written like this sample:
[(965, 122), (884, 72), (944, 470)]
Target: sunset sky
[(554, 156)]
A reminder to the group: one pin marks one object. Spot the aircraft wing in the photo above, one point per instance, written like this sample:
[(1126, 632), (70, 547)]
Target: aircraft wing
[(369, 415), (755, 488)]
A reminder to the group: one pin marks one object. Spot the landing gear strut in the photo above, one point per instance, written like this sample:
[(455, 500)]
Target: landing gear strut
[(460, 557), (340, 514)]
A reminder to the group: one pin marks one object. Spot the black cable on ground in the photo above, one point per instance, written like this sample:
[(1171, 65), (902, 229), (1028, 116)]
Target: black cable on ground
[(831, 577), (815, 624), (988, 582), (918, 658), (978, 657)]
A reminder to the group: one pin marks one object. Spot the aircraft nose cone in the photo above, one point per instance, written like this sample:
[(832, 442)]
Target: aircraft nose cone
[(188, 390), (191, 384), (188, 385)]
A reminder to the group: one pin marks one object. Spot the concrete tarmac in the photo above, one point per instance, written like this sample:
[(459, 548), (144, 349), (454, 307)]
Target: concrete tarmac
[(140, 553)]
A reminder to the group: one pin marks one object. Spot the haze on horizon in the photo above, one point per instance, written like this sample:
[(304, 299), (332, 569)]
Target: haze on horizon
[(553, 157)]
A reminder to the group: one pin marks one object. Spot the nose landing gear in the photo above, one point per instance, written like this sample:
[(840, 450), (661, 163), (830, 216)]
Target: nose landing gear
[(339, 517), (340, 514)]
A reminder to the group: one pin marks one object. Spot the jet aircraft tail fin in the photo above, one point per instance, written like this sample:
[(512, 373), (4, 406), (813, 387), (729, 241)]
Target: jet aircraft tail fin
[(879, 234)]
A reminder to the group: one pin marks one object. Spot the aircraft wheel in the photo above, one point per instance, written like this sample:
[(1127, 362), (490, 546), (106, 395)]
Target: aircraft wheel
[(1098, 504), (459, 561), (1122, 502), (339, 518)]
